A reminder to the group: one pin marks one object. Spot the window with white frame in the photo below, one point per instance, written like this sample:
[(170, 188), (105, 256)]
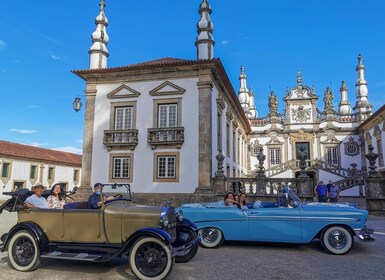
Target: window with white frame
[(121, 167), (123, 118), (166, 167), (275, 156), (332, 155), (167, 115)]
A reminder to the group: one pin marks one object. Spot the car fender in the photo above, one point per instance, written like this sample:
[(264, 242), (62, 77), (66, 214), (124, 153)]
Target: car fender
[(187, 224), (38, 234), (152, 232)]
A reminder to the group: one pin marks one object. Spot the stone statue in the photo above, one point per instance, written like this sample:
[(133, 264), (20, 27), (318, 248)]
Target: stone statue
[(328, 99), (273, 102)]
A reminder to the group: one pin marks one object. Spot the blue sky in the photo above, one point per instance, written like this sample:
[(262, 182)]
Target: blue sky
[(41, 41)]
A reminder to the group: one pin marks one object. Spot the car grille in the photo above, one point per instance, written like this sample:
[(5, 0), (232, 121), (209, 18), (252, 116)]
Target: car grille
[(171, 227)]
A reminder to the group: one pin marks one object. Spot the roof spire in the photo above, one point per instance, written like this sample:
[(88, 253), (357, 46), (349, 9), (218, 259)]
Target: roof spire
[(98, 51), (362, 107), (344, 105), (205, 41), (243, 93)]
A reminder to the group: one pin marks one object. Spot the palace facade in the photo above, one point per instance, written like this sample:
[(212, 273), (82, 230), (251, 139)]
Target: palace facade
[(162, 125)]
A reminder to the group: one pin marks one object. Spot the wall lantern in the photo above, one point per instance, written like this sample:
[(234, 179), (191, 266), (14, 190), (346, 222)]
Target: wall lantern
[(77, 104)]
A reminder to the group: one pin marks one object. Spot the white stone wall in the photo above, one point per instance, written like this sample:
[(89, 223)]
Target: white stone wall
[(143, 153)]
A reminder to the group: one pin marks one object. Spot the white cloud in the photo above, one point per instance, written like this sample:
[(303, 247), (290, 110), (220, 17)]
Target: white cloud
[(23, 131), (55, 57), (79, 141), (224, 42), (2, 44), (69, 149), (37, 144)]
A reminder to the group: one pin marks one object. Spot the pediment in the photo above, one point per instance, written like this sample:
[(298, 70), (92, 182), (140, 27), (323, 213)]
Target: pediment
[(167, 88), (331, 139), (274, 141), (123, 91), (301, 92)]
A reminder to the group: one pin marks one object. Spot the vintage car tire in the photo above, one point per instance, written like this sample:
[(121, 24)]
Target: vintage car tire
[(23, 251), (190, 254), (211, 237), (146, 257), (337, 240)]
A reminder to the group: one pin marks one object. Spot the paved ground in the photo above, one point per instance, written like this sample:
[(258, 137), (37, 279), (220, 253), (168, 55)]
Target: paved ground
[(239, 260)]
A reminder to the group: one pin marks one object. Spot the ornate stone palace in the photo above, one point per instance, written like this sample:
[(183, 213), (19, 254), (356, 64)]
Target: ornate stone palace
[(329, 137), (174, 126)]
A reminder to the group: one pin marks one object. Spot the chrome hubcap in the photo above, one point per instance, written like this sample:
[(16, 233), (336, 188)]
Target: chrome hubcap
[(337, 239)]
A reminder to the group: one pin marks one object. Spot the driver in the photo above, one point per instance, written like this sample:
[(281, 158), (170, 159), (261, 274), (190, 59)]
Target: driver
[(95, 199)]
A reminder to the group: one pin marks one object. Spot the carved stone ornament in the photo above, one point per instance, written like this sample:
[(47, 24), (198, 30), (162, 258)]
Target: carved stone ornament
[(301, 114), (377, 132), (352, 148)]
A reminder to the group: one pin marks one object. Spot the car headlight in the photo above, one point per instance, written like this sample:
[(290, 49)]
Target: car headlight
[(164, 220), (179, 215)]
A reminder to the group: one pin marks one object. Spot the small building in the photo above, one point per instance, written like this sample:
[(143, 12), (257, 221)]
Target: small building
[(23, 166)]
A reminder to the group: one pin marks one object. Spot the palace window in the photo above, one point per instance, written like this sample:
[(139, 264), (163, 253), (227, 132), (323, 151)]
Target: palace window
[(275, 156), (234, 146), (227, 139), (380, 153), (219, 131), (167, 115), (123, 118), (121, 167), (166, 167), (351, 149), (332, 156)]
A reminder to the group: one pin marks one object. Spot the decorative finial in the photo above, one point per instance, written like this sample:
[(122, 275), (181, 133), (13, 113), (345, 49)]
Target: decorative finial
[(299, 77), (343, 86), (359, 59)]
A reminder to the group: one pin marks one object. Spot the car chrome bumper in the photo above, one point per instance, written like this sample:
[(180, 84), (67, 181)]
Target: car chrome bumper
[(365, 234), (180, 250)]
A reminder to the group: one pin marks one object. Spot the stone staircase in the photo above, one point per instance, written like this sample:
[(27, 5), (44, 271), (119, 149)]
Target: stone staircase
[(351, 176)]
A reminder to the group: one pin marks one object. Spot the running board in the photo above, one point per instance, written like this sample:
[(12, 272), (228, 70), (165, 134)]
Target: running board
[(71, 256)]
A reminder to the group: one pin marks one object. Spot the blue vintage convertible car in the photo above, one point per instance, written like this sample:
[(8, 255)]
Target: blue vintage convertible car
[(287, 220)]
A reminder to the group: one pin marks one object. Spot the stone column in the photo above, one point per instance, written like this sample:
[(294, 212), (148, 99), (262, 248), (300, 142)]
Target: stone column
[(205, 87), (89, 116)]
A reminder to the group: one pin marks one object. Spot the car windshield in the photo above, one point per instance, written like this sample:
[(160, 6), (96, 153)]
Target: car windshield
[(293, 199)]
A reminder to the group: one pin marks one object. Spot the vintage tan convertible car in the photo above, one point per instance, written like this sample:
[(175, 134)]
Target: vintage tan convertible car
[(152, 237)]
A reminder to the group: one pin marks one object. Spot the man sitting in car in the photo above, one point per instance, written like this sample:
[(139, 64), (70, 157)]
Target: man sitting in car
[(36, 200), (95, 201)]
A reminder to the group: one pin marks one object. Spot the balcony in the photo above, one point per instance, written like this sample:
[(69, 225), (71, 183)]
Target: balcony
[(168, 137), (120, 139)]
